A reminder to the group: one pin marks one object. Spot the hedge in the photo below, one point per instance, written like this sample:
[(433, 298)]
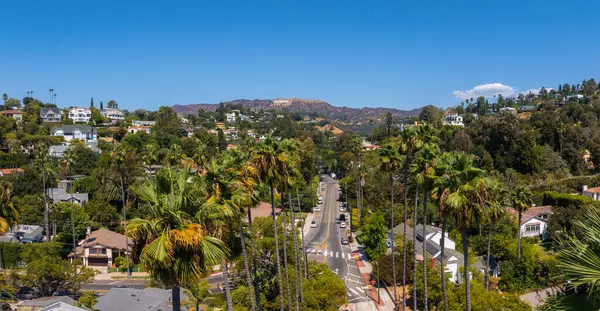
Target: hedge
[(10, 253)]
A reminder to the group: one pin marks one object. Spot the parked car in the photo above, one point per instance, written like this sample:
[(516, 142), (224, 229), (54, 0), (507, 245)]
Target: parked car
[(343, 224), (317, 209), (388, 243), (313, 224), (344, 241)]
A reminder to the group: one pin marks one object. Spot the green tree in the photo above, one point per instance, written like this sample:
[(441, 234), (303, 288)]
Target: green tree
[(176, 249), (88, 298), (521, 200), (372, 237), (198, 296)]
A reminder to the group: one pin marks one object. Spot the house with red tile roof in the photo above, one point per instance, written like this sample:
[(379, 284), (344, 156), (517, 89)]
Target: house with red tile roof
[(10, 171), (13, 113), (534, 220)]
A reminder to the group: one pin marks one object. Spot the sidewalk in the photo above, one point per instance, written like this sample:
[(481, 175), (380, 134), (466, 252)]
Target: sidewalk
[(386, 303)]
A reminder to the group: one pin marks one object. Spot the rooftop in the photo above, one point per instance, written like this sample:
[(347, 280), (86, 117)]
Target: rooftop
[(131, 299), (11, 111)]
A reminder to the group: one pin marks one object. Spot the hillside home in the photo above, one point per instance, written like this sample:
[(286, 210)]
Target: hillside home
[(80, 115), (50, 115), (13, 113), (114, 115), (57, 195), (142, 123), (452, 119), (100, 247), (11, 171), (81, 132), (527, 108), (139, 128), (23, 234), (508, 110), (132, 299), (453, 260), (534, 221), (593, 193)]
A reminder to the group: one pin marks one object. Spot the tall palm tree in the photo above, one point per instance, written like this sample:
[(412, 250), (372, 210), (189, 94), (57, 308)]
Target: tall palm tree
[(422, 168), (466, 209), (119, 155), (273, 167), (41, 159), (390, 162), (70, 158), (409, 143), (494, 212), (521, 200), (177, 250), (450, 172), (9, 215)]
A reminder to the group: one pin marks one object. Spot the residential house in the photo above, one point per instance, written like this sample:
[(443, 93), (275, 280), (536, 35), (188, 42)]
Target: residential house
[(264, 209), (81, 132), (480, 263), (63, 306), (100, 247), (50, 115), (142, 123), (24, 234), (11, 171), (44, 302), (58, 151), (133, 299), (593, 193), (576, 96), (68, 182), (534, 220), (527, 108), (230, 117), (80, 115), (452, 119), (152, 169), (139, 128), (453, 260), (112, 114), (62, 195), (16, 114), (508, 110)]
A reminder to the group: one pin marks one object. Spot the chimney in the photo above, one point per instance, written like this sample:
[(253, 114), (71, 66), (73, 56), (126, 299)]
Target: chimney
[(584, 188), (89, 231)]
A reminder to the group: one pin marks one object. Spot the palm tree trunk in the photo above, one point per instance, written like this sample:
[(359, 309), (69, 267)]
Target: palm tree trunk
[(295, 250), (228, 301), (253, 253), (425, 195), (277, 257), (73, 218), (519, 234), (404, 248), (125, 225), (46, 209), (247, 269), (392, 241), (487, 260), (443, 260), (465, 243), (285, 257), (175, 297), (303, 248), (414, 285)]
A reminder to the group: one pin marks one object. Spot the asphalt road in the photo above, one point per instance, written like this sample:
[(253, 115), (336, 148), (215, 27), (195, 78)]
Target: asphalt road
[(105, 285), (324, 243)]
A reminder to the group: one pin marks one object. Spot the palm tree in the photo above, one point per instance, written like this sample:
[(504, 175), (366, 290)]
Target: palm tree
[(465, 208), (450, 171), (70, 158), (198, 296), (177, 250), (9, 216), (119, 155), (494, 212), (390, 162), (273, 167), (41, 159), (422, 168), (521, 200), (149, 155)]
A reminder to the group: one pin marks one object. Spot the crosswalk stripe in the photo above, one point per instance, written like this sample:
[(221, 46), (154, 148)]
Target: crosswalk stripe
[(337, 255), (325, 253), (353, 291), (331, 254)]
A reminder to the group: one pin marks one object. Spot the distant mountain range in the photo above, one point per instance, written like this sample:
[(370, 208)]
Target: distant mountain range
[(305, 106)]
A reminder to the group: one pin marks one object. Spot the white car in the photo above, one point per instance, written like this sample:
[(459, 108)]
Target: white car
[(313, 224), (342, 209), (317, 209), (343, 224)]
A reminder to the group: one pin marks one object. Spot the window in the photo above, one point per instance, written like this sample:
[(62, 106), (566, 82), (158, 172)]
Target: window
[(532, 228)]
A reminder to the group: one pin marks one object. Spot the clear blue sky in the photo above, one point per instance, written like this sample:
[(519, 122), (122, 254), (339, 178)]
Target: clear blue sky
[(400, 54)]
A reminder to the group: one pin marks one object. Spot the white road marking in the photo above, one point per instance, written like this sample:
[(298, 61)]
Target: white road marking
[(325, 253), (330, 254), (116, 282), (353, 291), (337, 255)]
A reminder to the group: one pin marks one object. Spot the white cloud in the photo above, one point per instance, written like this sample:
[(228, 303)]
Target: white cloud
[(535, 91), (486, 90)]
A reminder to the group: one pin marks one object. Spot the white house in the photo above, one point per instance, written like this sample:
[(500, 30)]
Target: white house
[(142, 123), (230, 117), (593, 193), (80, 115), (508, 110), (534, 221), (452, 119), (432, 239), (114, 115), (69, 132), (134, 129)]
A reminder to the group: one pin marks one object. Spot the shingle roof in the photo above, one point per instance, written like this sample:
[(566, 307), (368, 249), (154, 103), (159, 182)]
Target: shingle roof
[(131, 299), (69, 129), (11, 112), (46, 301), (532, 212)]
